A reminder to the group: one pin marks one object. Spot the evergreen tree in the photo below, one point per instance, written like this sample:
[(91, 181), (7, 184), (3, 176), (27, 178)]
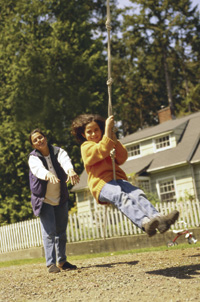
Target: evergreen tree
[(152, 71), (53, 68)]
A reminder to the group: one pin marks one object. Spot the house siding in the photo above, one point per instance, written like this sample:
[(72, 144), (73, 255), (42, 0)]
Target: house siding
[(147, 147), (197, 178), (86, 204), (173, 141), (182, 177)]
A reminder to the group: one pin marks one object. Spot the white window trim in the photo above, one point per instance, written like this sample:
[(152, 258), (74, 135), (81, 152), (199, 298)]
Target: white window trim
[(162, 149), (163, 179), (135, 156)]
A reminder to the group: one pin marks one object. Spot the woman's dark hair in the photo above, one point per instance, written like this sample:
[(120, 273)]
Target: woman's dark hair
[(34, 131), (81, 121)]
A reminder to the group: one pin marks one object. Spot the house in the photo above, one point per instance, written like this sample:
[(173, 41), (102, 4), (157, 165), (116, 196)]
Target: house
[(163, 159)]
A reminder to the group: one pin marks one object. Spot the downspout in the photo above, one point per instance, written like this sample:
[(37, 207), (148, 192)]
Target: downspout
[(193, 180), (191, 166)]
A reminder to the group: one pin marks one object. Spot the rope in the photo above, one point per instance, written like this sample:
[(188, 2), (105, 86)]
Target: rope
[(109, 84), (110, 80)]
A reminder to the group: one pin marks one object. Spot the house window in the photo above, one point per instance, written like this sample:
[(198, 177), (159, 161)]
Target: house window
[(162, 142), (133, 151), (167, 190), (144, 184)]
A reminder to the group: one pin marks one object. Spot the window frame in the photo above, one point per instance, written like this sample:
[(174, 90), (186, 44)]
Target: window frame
[(144, 178), (165, 179), (134, 156), (162, 148)]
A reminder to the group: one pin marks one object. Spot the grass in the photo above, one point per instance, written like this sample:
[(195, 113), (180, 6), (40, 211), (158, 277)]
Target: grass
[(89, 256)]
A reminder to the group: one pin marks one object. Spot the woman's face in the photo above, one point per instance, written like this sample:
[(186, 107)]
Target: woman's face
[(92, 132), (39, 142)]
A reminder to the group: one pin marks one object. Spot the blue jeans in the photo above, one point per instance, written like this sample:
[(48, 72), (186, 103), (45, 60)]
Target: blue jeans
[(53, 225), (130, 200)]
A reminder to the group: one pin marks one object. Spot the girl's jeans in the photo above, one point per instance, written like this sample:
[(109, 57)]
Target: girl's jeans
[(130, 200), (53, 224)]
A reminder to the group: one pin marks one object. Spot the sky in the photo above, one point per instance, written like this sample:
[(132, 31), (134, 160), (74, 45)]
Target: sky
[(122, 3)]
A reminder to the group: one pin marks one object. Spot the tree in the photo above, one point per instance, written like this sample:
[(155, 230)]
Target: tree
[(151, 75), (53, 68)]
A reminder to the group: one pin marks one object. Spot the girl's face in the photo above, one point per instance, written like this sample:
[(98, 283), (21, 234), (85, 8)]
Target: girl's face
[(39, 142), (92, 132)]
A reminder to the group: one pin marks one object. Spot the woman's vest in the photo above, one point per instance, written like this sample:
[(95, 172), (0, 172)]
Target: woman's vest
[(38, 186)]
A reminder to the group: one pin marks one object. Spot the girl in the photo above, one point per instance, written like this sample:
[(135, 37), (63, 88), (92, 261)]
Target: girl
[(97, 140)]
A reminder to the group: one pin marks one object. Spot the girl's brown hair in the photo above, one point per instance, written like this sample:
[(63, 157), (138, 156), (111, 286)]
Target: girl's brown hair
[(81, 121)]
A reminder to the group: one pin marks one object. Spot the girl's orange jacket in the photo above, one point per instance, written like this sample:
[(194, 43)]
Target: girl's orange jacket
[(98, 163)]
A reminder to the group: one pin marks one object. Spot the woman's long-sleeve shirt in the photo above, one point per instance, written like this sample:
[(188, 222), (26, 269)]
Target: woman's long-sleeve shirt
[(98, 163), (38, 169)]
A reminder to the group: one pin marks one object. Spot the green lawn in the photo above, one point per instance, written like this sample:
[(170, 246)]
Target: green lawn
[(87, 256)]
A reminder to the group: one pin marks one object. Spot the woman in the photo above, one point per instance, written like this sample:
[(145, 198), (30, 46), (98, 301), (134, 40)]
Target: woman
[(50, 168)]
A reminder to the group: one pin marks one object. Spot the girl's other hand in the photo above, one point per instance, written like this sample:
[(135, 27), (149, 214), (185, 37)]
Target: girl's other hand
[(114, 138), (109, 124)]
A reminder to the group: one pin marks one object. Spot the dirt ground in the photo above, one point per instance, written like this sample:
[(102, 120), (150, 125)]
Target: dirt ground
[(170, 276)]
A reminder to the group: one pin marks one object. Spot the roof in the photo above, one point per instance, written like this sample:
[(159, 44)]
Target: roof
[(184, 151), (196, 157), (82, 183), (187, 150), (158, 129)]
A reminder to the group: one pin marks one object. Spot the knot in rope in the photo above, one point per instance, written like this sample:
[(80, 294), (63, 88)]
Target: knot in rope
[(109, 82), (108, 26)]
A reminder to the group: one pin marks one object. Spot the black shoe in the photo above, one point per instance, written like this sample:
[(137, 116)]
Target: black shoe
[(165, 222), (53, 269), (67, 266), (151, 226)]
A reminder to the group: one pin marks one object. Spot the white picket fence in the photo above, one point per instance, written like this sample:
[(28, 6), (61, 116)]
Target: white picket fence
[(91, 226)]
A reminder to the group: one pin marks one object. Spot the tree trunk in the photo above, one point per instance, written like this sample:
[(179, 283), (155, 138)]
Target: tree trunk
[(168, 85)]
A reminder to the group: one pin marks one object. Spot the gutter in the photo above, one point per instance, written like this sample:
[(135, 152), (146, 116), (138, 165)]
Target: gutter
[(137, 141), (168, 166)]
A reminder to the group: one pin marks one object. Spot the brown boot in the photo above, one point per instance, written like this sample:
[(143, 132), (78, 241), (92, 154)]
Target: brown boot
[(151, 226), (53, 269), (166, 221)]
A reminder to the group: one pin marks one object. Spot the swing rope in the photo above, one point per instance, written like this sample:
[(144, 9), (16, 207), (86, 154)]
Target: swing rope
[(110, 80), (109, 84)]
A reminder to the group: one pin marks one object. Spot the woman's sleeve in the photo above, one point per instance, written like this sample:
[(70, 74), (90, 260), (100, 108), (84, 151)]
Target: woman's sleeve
[(64, 160), (37, 167)]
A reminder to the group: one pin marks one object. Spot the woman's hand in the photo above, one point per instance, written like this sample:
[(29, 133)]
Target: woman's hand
[(73, 177), (52, 178)]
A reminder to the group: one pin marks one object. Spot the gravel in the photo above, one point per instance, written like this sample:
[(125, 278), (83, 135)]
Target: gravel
[(170, 276)]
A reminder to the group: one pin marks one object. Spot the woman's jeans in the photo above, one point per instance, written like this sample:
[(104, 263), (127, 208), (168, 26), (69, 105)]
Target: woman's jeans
[(53, 224), (130, 200)]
